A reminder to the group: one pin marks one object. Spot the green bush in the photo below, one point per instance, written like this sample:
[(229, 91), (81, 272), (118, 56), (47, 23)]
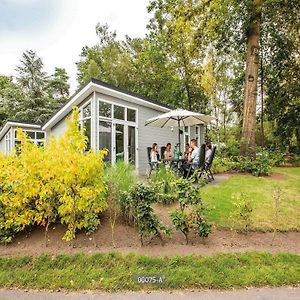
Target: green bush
[(120, 178), (223, 164), (262, 165), (190, 214), (138, 211)]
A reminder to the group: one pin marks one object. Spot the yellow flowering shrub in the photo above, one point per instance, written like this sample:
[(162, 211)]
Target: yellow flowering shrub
[(56, 182)]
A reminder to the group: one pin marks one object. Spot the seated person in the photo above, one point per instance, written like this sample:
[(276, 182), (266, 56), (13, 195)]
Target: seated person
[(154, 155), (168, 154), (193, 157), (208, 152), (187, 151)]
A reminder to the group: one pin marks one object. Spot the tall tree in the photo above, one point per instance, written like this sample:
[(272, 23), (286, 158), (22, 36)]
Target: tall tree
[(177, 24), (34, 95), (11, 96), (248, 145), (58, 86)]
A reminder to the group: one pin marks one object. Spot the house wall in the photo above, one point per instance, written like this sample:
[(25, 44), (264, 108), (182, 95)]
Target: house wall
[(146, 134), (58, 129), (2, 145)]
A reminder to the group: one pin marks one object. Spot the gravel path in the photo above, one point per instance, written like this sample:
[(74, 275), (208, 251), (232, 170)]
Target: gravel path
[(285, 293)]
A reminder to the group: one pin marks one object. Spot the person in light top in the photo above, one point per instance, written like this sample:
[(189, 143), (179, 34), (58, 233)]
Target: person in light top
[(208, 152), (154, 154), (194, 155)]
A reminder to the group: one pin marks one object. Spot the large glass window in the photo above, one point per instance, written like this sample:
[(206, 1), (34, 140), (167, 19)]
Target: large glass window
[(119, 112), (8, 143), (85, 122), (105, 109), (86, 111), (131, 115), (105, 135), (37, 137)]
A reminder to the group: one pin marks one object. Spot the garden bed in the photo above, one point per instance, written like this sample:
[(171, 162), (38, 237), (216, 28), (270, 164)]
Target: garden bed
[(127, 240)]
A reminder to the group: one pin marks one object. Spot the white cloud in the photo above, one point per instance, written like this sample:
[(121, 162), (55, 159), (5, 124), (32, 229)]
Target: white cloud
[(61, 43)]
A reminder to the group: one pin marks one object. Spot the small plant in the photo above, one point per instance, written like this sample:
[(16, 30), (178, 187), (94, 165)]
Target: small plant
[(120, 178), (242, 216), (140, 213), (182, 222), (190, 214), (203, 228)]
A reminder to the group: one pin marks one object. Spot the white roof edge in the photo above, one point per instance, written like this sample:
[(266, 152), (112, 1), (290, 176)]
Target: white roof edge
[(112, 92), (67, 108), (9, 124), (94, 87)]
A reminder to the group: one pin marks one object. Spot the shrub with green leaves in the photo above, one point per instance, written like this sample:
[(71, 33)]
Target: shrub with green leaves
[(262, 165), (203, 228), (223, 164), (191, 212), (119, 178), (139, 212)]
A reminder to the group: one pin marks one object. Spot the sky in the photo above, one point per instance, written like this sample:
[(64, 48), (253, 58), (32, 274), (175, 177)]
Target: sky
[(58, 29)]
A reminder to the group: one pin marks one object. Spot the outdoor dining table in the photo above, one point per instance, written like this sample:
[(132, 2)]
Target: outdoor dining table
[(176, 162)]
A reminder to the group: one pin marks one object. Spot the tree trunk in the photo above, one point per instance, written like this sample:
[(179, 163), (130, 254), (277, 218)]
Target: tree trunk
[(248, 145)]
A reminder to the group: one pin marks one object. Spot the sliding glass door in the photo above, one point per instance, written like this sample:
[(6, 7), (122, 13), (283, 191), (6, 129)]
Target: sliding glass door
[(117, 130)]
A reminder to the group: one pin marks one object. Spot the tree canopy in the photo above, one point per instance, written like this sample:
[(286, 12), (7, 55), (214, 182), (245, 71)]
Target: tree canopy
[(237, 60), (33, 95)]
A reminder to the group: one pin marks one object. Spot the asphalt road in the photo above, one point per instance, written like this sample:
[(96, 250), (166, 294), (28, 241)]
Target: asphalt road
[(286, 293)]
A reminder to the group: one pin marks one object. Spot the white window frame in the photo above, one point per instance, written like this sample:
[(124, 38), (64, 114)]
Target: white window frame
[(8, 140), (198, 135), (188, 134), (114, 122), (35, 139), (82, 118)]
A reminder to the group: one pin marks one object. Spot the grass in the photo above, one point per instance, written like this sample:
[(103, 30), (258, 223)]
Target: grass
[(260, 191), (110, 272)]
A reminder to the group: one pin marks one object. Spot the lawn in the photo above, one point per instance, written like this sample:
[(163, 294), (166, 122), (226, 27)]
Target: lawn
[(260, 191), (110, 272)]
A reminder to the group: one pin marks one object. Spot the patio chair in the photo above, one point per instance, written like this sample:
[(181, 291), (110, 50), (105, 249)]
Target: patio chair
[(153, 166), (208, 164), (162, 152), (200, 166)]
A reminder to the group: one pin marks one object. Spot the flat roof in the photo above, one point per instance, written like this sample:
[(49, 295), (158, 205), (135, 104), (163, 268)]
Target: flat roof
[(9, 123)]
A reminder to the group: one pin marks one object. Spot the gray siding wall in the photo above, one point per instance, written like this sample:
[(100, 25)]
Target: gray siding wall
[(58, 129), (2, 145)]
